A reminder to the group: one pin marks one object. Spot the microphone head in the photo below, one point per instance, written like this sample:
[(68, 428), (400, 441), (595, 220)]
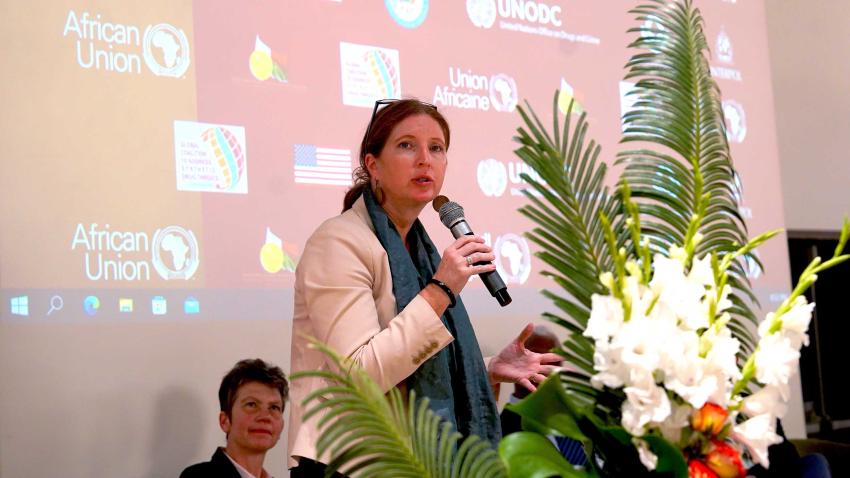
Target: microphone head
[(438, 202), (450, 213)]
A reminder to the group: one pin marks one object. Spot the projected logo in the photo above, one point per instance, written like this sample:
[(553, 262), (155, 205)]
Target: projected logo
[(408, 13), (513, 258), (91, 304), (566, 94), (276, 255), (116, 255), (210, 157), (471, 90), (736, 121), (651, 28), (723, 46), (725, 54), (104, 45), (628, 98), (492, 177), (264, 64), (175, 253), (482, 13), (527, 17), (368, 73), (166, 50)]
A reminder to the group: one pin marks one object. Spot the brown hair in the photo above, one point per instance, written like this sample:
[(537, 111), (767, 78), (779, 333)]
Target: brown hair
[(377, 134), (250, 370)]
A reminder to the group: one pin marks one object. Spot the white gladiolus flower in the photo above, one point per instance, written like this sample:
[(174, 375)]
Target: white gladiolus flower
[(642, 406), (795, 323), (671, 428), (611, 372), (757, 434), (649, 460), (767, 401), (722, 354), (606, 317), (776, 360)]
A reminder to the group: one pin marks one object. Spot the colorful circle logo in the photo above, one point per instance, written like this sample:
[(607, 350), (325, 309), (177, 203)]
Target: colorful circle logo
[(91, 304), (384, 73), (166, 50), (408, 13), (229, 156)]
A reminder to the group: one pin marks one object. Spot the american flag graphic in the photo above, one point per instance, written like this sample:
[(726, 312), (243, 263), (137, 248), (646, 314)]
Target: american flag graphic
[(315, 165)]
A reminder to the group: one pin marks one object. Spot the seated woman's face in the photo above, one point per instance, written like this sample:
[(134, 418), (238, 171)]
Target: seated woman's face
[(412, 165)]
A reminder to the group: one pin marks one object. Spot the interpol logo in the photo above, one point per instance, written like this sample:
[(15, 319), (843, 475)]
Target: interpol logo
[(482, 13)]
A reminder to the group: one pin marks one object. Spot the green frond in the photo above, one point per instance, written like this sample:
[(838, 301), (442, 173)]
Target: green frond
[(678, 109), (371, 434)]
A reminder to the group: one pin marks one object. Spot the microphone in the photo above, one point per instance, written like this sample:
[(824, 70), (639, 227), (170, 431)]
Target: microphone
[(451, 215)]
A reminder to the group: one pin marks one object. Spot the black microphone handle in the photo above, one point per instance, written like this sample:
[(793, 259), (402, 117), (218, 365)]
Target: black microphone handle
[(491, 279)]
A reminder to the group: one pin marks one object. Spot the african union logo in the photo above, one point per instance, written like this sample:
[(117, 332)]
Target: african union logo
[(166, 50), (482, 13), (228, 154), (408, 13), (513, 258), (736, 121), (492, 177), (384, 73), (503, 92), (175, 253)]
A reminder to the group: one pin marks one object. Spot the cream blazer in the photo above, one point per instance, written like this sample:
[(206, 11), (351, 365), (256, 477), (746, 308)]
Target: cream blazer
[(344, 298)]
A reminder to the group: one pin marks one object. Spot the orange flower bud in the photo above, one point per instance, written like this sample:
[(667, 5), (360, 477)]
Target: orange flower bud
[(725, 460), (698, 469), (709, 419)]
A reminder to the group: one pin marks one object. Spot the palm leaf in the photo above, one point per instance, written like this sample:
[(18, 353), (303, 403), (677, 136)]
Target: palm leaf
[(370, 434), (678, 109), (565, 205)]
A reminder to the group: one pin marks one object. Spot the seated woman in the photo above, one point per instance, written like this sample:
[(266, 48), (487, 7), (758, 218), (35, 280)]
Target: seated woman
[(252, 397)]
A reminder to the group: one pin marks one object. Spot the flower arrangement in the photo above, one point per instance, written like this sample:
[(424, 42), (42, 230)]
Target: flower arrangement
[(660, 335), (672, 372)]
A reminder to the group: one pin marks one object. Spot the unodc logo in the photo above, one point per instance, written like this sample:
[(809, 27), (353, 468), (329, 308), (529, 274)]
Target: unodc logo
[(409, 13), (503, 93), (482, 13), (492, 177), (175, 253), (166, 50)]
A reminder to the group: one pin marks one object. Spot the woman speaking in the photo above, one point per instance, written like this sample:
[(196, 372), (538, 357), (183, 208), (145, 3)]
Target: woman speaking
[(372, 286)]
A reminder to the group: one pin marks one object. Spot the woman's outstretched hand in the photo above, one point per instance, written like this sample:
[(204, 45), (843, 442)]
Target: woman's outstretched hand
[(517, 364)]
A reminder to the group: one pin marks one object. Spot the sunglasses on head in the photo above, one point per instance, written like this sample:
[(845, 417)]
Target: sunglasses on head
[(388, 101)]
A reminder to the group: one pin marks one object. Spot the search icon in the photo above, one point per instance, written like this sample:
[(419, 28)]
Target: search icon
[(56, 304)]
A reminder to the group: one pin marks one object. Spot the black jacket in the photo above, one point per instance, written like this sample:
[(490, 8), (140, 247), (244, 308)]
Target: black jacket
[(219, 466)]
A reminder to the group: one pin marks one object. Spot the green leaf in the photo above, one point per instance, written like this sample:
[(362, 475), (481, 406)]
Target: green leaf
[(531, 455)]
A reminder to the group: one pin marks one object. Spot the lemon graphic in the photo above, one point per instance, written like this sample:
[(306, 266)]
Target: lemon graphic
[(261, 65), (271, 257), (564, 98)]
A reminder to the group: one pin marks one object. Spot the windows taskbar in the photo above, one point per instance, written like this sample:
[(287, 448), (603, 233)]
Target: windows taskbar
[(96, 305)]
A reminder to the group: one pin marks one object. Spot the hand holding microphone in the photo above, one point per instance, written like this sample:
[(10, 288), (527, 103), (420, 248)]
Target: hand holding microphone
[(452, 216)]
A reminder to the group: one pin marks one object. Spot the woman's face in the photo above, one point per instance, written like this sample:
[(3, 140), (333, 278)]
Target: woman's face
[(411, 167)]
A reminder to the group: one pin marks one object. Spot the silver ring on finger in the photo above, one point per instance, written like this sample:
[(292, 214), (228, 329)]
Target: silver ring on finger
[(469, 260)]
